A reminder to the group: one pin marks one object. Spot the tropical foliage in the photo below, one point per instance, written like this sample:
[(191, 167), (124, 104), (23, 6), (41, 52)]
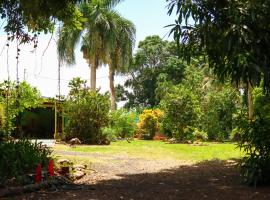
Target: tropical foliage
[(19, 158), (182, 109), (15, 100), (154, 58), (106, 38), (234, 37), (86, 112), (123, 123), (254, 140)]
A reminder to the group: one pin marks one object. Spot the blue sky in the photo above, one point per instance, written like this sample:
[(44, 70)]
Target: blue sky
[(149, 17)]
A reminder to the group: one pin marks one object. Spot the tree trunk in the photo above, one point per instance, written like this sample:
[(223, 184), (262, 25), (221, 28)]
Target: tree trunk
[(111, 78), (93, 75), (250, 102)]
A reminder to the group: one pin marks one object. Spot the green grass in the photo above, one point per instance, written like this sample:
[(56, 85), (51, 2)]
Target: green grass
[(162, 150)]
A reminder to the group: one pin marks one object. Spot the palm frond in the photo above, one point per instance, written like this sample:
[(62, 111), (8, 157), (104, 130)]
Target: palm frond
[(67, 41)]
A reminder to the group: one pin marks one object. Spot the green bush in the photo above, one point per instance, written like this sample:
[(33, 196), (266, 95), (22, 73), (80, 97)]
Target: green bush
[(123, 123), (149, 123), (200, 135), (181, 109), (194, 134), (2, 123), (109, 133), (218, 108), (235, 134), (255, 141), (86, 112), (21, 157), (18, 100)]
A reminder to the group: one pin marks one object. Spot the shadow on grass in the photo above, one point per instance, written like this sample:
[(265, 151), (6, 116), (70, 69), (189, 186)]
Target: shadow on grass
[(205, 180)]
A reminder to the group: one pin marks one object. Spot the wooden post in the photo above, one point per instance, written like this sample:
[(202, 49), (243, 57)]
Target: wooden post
[(250, 102)]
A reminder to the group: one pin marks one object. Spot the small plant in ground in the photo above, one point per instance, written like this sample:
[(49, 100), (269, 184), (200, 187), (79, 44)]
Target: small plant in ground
[(149, 123)]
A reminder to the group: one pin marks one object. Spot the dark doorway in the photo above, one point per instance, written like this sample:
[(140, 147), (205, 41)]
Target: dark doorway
[(38, 123)]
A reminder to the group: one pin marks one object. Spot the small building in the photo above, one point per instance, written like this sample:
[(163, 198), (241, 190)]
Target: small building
[(43, 122)]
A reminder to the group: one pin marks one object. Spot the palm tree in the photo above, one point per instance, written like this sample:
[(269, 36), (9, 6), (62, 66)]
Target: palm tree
[(94, 36), (121, 54)]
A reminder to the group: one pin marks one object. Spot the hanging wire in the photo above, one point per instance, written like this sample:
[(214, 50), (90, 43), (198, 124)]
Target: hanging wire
[(35, 69)]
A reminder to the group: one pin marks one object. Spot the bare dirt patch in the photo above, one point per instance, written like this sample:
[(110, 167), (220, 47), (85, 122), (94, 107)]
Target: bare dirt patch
[(122, 177)]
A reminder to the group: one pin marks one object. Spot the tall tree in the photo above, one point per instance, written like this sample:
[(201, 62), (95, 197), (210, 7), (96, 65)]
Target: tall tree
[(233, 34), (97, 36), (121, 53), (153, 58)]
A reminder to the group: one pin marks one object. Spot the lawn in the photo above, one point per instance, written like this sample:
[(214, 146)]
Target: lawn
[(156, 150)]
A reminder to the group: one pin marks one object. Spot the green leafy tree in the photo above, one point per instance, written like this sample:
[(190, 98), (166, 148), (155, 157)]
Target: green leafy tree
[(233, 34), (17, 99), (181, 109), (153, 58), (218, 108), (86, 112), (24, 18), (255, 141)]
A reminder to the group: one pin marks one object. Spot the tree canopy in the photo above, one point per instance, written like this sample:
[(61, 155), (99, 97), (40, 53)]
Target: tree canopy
[(22, 18), (154, 60), (233, 34)]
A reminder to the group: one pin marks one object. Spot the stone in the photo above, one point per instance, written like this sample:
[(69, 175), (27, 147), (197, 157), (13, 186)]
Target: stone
[(79, 166), (78, 174), (63, 160)]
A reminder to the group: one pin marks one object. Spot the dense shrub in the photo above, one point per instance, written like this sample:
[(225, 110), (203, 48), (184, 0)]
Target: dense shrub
[(123, 123), (235, 134), (21, 157), (218, 108), (149, 123), (109, 133), (181, 109), (86, 112), (194, 134), (255, 141), (2, 123), (15, 101)]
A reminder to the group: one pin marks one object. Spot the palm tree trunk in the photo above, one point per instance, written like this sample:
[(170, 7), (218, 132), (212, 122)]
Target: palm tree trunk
[(111, 78), (250, 102), (93, 75)]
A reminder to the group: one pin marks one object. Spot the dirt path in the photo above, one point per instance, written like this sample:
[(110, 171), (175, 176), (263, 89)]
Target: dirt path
[(122, 177)]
